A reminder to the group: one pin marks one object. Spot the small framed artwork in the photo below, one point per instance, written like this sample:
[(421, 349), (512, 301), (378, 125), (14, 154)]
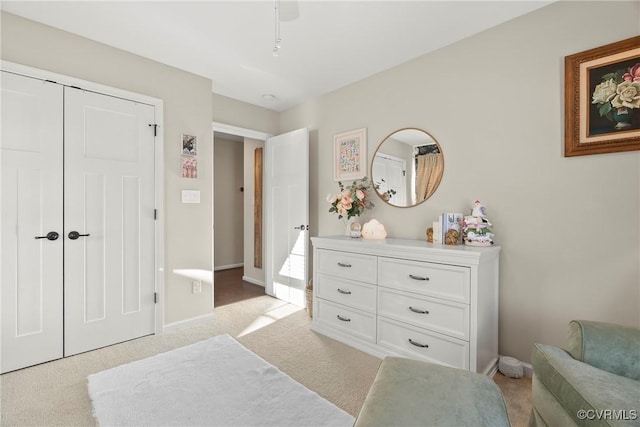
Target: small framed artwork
[(189, 166), (602, 99), (350, 155), (189, 145)]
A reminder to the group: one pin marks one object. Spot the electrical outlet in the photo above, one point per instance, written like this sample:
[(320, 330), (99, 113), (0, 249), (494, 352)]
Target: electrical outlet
[(196, 286)]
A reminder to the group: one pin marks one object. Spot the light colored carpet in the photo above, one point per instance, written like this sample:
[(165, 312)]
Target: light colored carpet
[(215, 382), (55, 393)]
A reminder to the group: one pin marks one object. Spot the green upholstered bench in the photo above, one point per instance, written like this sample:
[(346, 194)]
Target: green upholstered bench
[(408, 392)]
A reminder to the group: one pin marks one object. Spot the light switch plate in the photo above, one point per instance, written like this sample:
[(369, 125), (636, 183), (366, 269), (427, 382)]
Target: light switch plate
[(190, 196)]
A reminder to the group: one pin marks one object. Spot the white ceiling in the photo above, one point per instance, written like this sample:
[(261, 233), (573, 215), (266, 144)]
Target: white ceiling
[(325, 44)]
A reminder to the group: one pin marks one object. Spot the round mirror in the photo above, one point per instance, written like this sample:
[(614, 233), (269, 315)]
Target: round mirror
[(407, 167)]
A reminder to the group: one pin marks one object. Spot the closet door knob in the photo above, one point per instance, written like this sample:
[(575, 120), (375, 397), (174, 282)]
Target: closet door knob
[(73, 235), (52, 235)]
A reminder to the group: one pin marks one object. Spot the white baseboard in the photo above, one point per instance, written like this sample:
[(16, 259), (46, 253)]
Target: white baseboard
[(254, 281), (180, 323), (227, 267)]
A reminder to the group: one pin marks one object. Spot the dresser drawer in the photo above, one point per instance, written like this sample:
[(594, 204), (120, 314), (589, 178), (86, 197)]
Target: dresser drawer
[(357, 323), (347, 265), (347, 292), (437, 280), (423, 344), (447, 317)]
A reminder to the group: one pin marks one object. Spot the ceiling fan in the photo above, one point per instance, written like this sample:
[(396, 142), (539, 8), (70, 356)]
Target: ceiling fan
[(283, 11)]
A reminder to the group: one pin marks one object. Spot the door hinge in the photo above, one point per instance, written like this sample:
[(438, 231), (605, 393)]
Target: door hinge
[(155, 214), (155, 297), (155, 128)]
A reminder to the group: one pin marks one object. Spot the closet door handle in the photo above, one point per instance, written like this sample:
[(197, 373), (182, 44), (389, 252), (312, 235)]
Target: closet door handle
[(52, 235), (73, 235)]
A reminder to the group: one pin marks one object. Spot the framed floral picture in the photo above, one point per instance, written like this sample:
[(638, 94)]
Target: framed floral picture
[(189, 166), (350, 155), (602, 99)]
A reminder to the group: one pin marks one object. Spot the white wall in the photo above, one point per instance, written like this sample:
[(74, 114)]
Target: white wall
[(228, 206), (187, 109), (568, 227), (232, 112)]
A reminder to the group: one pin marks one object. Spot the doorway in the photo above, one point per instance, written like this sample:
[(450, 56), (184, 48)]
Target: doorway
[(236, 275)]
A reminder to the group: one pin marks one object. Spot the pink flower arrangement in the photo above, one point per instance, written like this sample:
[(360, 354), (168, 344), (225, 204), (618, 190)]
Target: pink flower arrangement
[(633, 75), (351, 201)]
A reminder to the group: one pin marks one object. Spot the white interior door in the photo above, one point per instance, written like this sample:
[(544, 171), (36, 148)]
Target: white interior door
[(30, 207), (287, 215), (109, 205), (390, 173)]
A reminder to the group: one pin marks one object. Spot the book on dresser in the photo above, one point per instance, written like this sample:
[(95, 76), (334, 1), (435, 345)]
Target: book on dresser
[(410, 298)]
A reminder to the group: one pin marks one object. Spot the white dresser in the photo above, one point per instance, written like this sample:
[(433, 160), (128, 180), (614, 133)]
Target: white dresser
[(409, 298)]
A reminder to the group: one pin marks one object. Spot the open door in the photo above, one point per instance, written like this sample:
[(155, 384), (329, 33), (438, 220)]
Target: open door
[(286, 188)]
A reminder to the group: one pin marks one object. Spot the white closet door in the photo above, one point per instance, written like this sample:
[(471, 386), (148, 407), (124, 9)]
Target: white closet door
[(30, 207), (109, 204)]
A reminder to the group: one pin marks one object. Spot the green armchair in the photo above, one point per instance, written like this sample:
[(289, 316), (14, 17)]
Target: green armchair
[(594, 382)]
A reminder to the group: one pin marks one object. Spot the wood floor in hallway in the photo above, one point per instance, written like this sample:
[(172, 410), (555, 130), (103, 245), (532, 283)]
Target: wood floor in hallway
[(229, 287)]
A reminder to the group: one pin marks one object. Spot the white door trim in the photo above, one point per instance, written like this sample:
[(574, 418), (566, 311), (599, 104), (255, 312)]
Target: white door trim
[(158, 160), (235, 130)]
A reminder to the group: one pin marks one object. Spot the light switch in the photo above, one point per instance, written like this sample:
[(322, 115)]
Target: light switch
[(190, 196)]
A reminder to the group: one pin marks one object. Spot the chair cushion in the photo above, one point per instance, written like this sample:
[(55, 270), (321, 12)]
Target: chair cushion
[(578, 386), (408, 392)]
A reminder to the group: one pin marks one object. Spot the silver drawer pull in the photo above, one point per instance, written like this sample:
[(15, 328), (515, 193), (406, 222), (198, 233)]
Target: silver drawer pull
[(344, 319), (414, 277), (417, 344), (415, 310), (344, 292), (342, 264)]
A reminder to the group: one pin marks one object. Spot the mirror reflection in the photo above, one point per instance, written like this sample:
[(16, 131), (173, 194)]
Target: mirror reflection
[(407, 167)]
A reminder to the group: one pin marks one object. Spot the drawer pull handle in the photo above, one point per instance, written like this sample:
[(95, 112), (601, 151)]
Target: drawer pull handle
[(344, 319), (415, 310), (414, 277), (344, 292), (342, 264), (417, 344)]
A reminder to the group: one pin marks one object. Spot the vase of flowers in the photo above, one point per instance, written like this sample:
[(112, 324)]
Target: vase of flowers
[(350, 202), (618, 96)]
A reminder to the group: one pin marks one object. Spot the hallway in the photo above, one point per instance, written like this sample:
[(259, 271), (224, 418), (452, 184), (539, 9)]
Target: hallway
[(229, 287)]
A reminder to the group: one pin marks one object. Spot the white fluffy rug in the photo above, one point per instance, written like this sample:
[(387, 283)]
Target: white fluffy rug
[(216, 382)]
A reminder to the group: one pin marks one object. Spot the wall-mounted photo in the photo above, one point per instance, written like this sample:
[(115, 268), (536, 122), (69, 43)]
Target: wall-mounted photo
[(602, 99), (189, 145), (189, 167), (350, 155)]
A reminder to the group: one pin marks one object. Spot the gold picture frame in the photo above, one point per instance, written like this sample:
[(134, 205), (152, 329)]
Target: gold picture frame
[(600, 111)]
